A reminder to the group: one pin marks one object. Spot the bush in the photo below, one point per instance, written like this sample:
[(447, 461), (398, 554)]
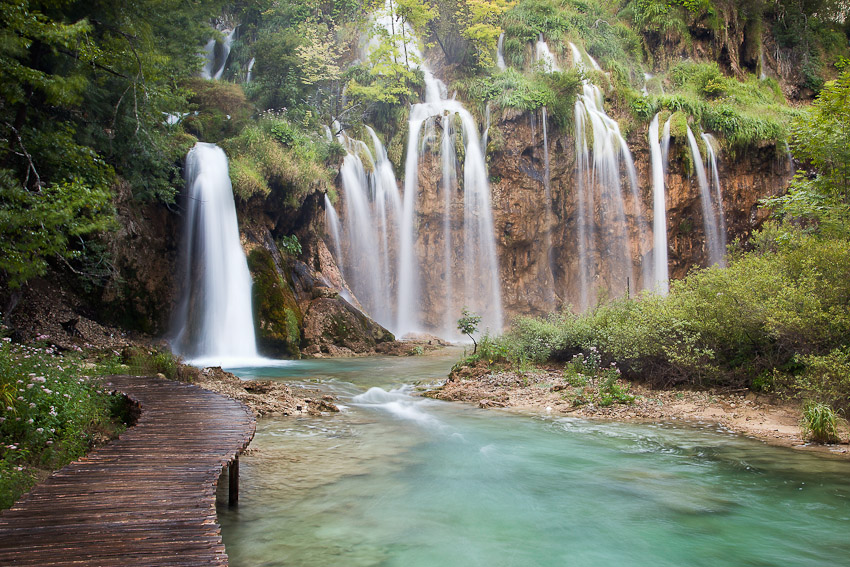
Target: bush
[(51, 414), (776, 316), (275, 159)]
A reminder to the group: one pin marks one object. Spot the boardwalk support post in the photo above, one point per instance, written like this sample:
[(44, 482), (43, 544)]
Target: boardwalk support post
[(233, 482)]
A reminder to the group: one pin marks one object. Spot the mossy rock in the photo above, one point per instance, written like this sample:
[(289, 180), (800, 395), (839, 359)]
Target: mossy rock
[(279, 319)]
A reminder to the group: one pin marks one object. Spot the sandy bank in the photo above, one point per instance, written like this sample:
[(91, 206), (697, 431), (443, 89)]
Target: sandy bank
[(755, 415)]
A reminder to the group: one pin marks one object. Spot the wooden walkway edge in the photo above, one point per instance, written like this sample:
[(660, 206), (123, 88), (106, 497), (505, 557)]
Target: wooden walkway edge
[(144, 499)]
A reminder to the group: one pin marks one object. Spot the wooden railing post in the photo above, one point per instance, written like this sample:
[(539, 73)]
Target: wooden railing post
[(233, 482)]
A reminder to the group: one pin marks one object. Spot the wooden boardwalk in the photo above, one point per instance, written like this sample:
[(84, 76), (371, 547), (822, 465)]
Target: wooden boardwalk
[(147, 498)]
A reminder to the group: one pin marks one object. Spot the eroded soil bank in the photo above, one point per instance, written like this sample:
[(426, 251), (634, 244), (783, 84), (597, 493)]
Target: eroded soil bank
[(544, 390)]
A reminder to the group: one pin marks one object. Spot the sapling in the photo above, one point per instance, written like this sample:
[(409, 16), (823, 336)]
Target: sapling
[(468, 324)]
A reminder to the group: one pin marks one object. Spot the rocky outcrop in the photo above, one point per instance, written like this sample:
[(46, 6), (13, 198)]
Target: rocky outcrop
[(303, 307), (335, 327), (143, 251)]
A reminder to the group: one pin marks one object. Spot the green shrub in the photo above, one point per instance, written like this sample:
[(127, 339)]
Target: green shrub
[(272, 158), (775, 317), (143, 362), (818, 423)]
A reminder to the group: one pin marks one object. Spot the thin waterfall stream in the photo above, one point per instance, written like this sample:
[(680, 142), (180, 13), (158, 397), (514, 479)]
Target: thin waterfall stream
[(659, 207), (715, 240)]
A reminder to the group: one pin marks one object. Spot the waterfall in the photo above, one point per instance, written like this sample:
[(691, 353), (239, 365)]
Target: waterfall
[(544, 57), (500, 54), (579, 58), (368, 225), (480, 285), (717, 194), (250, 69), (709, 218), (603, 232), (333, 226), (436, 265), (214, 320), (645, 89), (550, 220), (209, 71), (659, 208)]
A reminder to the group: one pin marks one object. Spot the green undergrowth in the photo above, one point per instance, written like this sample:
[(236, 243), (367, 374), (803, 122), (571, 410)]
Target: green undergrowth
[(776, 319), (514, 90), (742, 113), (274, 157), (592, 23), (52, 413)]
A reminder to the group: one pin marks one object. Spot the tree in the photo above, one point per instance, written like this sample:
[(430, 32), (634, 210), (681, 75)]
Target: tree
[(84, 90), (479, 21), (820, 197), (468, 324)]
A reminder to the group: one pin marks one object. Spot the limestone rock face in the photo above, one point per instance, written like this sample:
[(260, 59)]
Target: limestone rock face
[(537, 279), (334, 326)]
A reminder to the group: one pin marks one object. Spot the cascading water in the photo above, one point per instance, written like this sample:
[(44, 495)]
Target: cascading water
[(209, 71), (717, 193), (659, 209), (250, 69), (714, 241), (214, 321), (602, 228), (433, 271), (547, 62), (544, 56), (500, 53), (372, 207), (332, 223)]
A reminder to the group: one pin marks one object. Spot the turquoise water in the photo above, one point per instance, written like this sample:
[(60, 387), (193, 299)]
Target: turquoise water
[(396, 480)]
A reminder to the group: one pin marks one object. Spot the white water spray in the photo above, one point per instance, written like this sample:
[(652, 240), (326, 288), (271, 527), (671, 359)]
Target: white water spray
[(250, 69), (209, 71), (601, 201), (544, 57)]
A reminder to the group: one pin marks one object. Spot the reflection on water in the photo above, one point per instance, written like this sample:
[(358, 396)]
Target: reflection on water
[(396, 480)]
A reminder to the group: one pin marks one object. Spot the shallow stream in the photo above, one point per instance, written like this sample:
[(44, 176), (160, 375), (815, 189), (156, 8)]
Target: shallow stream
[(395, 480)]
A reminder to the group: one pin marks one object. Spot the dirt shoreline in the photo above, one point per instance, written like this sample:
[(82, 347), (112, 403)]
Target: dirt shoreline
[(754, 415)]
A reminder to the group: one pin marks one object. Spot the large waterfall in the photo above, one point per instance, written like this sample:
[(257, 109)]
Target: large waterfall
[(413, 275), (214, 322)]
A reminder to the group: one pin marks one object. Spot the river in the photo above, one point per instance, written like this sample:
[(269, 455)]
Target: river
[(396, 480)]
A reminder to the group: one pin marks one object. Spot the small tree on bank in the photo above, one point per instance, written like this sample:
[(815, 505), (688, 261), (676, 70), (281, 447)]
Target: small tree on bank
[(468, 324)]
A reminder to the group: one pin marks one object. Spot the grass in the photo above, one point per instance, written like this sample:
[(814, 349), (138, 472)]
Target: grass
[(274, 158), (819, 423), (52, 413)]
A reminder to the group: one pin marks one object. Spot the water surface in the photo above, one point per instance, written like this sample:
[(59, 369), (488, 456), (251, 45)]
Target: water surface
[(395, 480)]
